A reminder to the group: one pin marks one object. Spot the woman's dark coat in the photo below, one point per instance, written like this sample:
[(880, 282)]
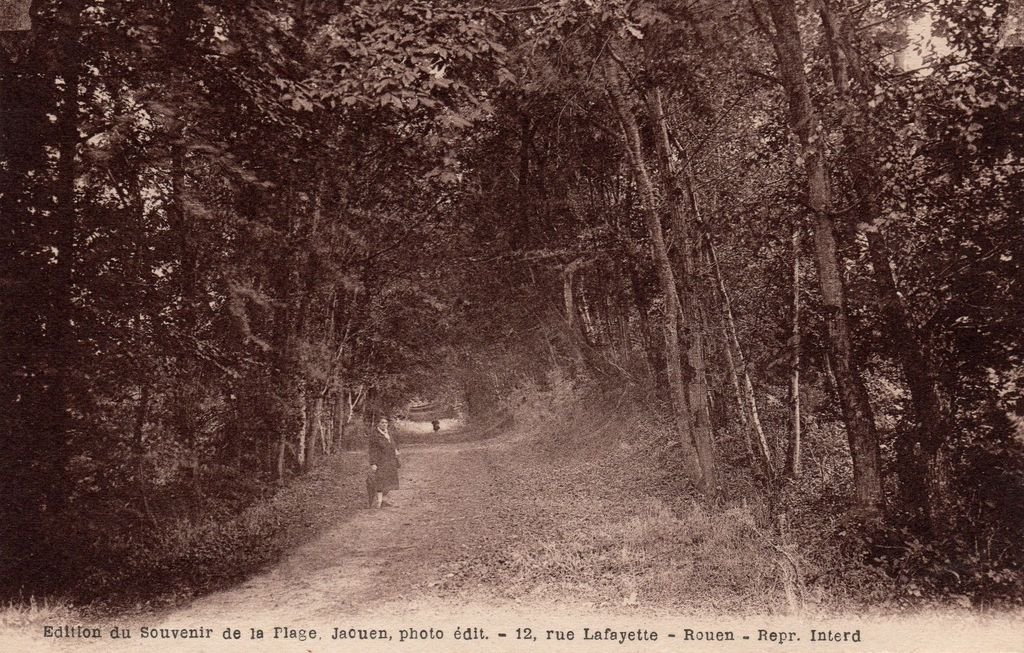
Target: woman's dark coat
[(383, 454)]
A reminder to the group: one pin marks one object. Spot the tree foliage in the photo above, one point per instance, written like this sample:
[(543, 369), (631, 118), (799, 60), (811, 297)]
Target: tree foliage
[(228, 225)]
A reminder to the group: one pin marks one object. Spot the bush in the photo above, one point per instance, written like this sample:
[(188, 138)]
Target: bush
[(177, 558)]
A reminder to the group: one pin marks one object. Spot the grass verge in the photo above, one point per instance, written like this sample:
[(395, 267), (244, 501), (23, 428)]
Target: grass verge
[(179, 559)]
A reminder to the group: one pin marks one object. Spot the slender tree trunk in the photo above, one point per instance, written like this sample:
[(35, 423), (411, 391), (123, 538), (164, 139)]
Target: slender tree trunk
[(642, 300), (189, 372), (281, 449), (666, 281), (793, 466), (923, 459), (139, 446), (324, 429), (725, 344), (189, 381), (341, 414), (734, 380), (715, 400), (576, 330), (749, 400), (684, 227), (353, 400), (853, 396), (305, 427), (284, 375)]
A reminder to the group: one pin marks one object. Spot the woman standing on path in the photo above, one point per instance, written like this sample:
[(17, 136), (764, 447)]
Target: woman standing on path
[(383, 476)]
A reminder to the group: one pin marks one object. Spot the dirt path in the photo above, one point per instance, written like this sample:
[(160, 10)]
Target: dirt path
[(380, 556), (479, 528), (517, 530), (374, 566)]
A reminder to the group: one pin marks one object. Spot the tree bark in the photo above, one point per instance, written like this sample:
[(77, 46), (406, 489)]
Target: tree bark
[(642, 300), (734, 379), (922, 456), (748, 397), (725, 345), (793, 464), (281, 449), (324, 430), (341, 415), (666, 282), (730, 362), (683, 224), (305, 427), (139, 447), (923, 459), (853, 396)]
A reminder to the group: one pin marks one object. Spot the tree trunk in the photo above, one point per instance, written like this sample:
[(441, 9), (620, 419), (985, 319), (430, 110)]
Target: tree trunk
[(305, 426), (188, 382), (730, 362), (734, 379), (683, 225), (324, 429), (749, 398), (922, 456), (576, 328), (793, 450), (853, 396), (642, 300), (725, 345), (281, 449), (340, 415), (139, 447), (352, 400), (666, 282)]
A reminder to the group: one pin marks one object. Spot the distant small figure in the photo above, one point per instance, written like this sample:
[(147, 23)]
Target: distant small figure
[(384, 464), (436, 424)]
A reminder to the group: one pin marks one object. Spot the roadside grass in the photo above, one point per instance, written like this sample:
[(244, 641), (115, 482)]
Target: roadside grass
[(657, 558), (32, 612), (599, 523), (180, 559), (604, 520), (21, 622)]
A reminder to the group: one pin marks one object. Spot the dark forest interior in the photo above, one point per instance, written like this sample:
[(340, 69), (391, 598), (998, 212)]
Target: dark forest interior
[(773, 240)]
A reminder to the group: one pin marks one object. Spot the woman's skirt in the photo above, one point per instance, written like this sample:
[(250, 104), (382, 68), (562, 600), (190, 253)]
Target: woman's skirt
[(384, 479)]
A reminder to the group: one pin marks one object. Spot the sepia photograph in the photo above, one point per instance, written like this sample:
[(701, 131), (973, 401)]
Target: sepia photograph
[(512, 326)]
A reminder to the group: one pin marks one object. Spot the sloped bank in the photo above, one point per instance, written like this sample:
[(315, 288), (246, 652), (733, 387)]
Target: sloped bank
[(588, 516)]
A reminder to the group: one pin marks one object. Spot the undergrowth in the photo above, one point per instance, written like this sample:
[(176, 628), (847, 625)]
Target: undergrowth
[(629, 530), (612, 525), (175, 559)]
